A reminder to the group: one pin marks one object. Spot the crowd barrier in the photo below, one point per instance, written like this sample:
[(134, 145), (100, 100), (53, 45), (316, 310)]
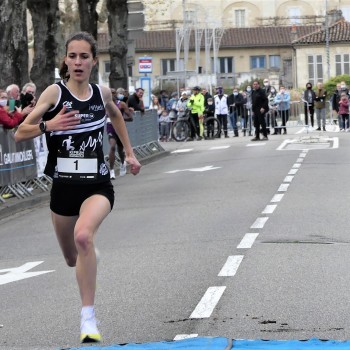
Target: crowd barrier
[(22, 164)]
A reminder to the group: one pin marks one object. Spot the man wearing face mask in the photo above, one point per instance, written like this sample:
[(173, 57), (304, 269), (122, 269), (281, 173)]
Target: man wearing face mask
[(309, 97), (235, 103), (113, 138), (267, 87), (221, 109), (8, 119), (260, 106)]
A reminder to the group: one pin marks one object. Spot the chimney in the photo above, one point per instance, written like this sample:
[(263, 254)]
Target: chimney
[(334, 16), (293, 33)]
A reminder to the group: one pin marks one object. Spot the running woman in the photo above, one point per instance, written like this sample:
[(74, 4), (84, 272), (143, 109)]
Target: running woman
[(72, 114)]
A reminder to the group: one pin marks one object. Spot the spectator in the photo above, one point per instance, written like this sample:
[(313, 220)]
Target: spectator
[(28, 95), (309, 104), (271, 116), (221, 109), (208, 113), (344, 110), (235, 103), (13, 93), (181, 105), (320, 106), (156, 105), (164, 122), (135, 101), (171, 106), (282, 101), (206, 95), (196, 103), (163, 98), (267, 86), (260, 107), (113, 138), (8, 120)]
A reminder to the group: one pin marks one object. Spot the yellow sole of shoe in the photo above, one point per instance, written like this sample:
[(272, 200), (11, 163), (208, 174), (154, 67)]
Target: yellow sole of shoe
[(90, 338)]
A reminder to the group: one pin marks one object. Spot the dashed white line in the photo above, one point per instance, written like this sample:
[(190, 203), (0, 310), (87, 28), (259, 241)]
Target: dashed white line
[(269, 209), (248, 240), (288, 179), (293, 171), (259, 222), (296, 165), (231, 266), (218, 147), (277, 198), (283, 188), (300, 160), (257, 144), (302, 155), (208, 302), (185, 336)]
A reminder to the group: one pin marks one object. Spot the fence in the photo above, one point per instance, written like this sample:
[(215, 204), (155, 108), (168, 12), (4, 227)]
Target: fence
[(22, 164)]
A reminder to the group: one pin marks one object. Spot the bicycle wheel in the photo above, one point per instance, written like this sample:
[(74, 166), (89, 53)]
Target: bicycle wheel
[(211, 127), (180, 130)]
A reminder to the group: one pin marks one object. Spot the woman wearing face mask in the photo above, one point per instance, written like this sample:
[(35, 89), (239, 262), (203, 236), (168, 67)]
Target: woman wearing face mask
[(282, 100), (235, 103), (271, 116), (309, 97), (113, 139), (8, 120)]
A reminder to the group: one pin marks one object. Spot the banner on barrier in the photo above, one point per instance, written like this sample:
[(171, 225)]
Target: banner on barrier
[(17, 160)]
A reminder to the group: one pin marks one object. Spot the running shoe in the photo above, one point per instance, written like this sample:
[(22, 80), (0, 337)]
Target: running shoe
[(88, 330), (112, 174), (122, 170)]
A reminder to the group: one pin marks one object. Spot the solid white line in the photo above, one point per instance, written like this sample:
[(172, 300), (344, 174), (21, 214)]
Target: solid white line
[(208, 302), (288, 179), (269, 209), (185, 336), (296, 165), (256, 144), (293, 171), (231, 266), (277, 198), (218, 147), (247, 241), (183, 150), (259, 222), (283, 188)]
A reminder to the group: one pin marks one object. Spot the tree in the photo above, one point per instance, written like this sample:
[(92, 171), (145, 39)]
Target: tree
[(118, 47), (45, 17), (88, 23), (13, 43)]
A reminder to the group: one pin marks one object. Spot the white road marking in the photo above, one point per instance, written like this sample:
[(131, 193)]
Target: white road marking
[(296, 166), (335, 142), (300, 160), (282, 145), (231, 266), (302, 155), (277, 198), (206, 168), (293, 171), (256, 144), (288, 179), (19, 273), (183, 150), (269, 209), (247, 241), (283, 188), (185, 336), (208, 302), (259, 222), (218, 147)]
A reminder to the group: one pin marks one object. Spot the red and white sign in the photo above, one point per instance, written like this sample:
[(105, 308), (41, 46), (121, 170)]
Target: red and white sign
[(145, 65)]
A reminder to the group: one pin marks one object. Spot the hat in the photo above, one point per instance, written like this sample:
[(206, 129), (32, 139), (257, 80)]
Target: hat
[(197, 88), (184, 93)]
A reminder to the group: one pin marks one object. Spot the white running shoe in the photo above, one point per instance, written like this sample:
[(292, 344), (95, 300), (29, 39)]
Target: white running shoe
[(112, 174), (88, 329), (122, 170)]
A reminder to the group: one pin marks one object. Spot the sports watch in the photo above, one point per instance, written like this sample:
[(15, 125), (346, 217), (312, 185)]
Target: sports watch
[(42, 126)]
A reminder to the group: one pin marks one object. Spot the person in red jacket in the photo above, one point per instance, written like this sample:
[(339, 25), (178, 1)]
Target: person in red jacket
[(8, 120)]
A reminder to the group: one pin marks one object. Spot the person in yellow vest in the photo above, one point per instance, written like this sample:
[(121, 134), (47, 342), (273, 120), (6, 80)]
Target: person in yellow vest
[(196, 103)]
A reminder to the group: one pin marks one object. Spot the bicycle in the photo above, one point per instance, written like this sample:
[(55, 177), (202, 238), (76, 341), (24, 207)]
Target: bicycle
[(181, 129)]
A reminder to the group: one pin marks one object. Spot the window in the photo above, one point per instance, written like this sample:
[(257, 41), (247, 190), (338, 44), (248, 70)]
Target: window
[(275, 61), (223, 65), (294, 15), (346, 12), (169, 65), (240, 18), (257, 62), (315, 69), (342, 64), (107, 67)]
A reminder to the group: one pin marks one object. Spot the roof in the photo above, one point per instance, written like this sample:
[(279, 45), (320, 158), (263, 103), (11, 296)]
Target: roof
[(338, 32), (252, 37)]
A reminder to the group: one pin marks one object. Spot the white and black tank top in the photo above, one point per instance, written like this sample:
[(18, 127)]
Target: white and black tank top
[(76, 155)]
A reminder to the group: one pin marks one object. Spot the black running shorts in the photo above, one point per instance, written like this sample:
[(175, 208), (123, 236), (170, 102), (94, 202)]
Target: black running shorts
[(67, 199)]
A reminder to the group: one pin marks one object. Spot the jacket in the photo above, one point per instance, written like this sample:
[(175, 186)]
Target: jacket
[(196, 102), (9, 121), (259, 100), (221, 107), (283, 101), (238, 102), (320, 100)]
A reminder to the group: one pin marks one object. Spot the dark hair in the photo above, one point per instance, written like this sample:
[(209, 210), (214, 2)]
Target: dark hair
[(78, 36), (138, 89), (308, 84)]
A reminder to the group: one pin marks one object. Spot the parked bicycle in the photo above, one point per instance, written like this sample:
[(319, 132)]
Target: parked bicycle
[(181, 130)]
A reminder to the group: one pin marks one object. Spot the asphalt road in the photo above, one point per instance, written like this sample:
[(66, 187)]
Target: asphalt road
[(222, 238)]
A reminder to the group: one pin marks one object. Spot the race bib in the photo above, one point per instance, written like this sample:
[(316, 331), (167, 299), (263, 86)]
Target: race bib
[(77, 168)]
